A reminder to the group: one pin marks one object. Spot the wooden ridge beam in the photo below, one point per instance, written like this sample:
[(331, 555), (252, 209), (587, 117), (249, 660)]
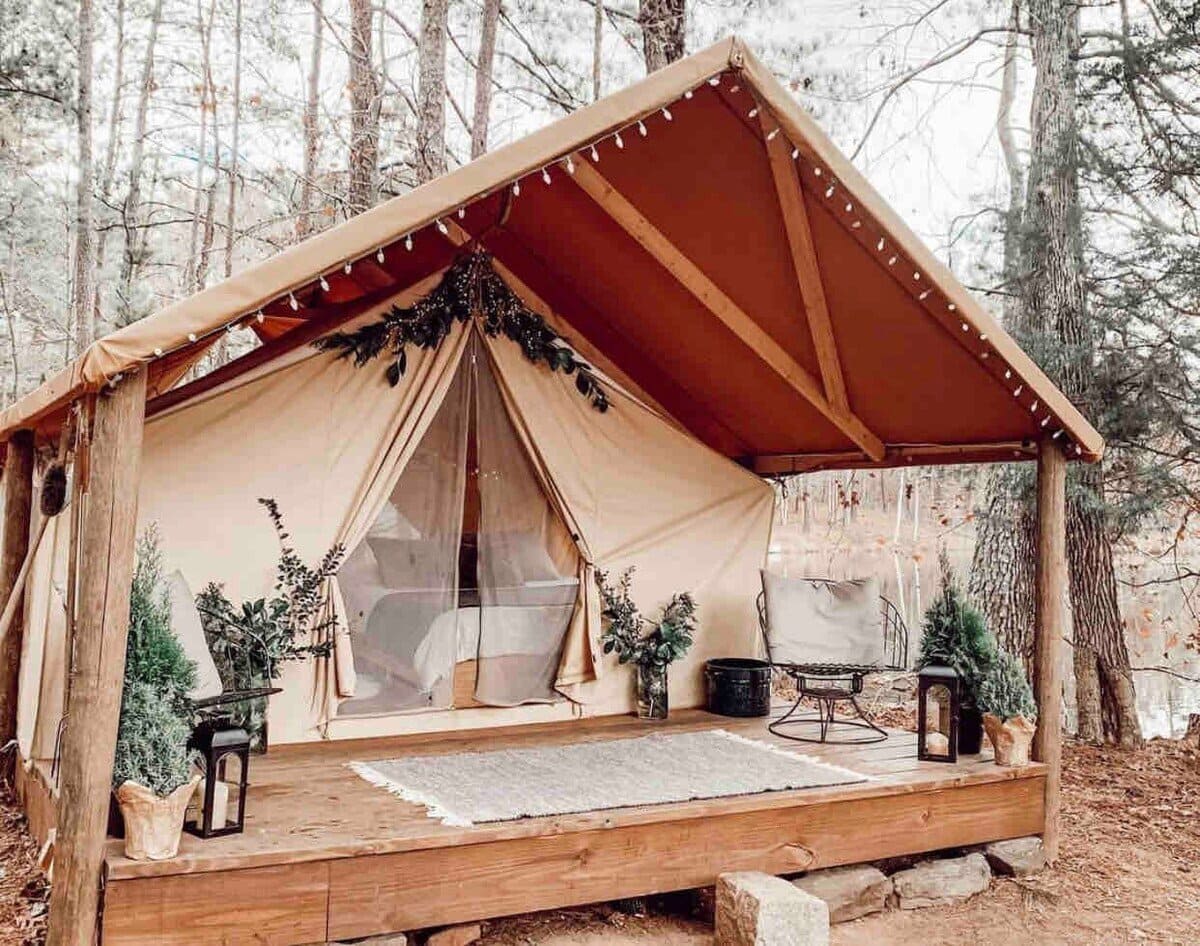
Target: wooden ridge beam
[(793, 208), (692, 278)]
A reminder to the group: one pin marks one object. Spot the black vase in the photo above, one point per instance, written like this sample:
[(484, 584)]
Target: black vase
[(970, 731)]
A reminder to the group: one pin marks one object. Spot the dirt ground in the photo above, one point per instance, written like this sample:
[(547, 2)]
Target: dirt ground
[(1129, 872)]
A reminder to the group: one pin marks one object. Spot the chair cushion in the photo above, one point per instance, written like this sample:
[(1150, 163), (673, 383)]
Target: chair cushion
[(185, 622), (824, 622)]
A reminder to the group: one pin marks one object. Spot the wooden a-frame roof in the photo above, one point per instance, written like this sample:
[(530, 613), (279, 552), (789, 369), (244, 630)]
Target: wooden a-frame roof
[(702, 240)]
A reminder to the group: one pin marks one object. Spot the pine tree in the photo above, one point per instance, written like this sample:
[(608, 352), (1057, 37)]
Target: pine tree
[(954, 635)]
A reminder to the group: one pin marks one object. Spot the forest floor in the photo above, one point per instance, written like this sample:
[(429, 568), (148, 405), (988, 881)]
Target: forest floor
[(1129, 872)]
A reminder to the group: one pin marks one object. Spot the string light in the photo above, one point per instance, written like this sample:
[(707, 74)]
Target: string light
[(545, 175), (191, 336), (715, 80), (1033, 407), (916, 277), (595, 154), (379, 256), (1045, 420), (619, 140), (892, 261), (952, 307), (324, 284), (856, 225), (736, 89), (570, 165), (1058, 433), (753, 113), (293, 302), (349, 266), (924, 295), (983, 337), (966, 327), (259, 317), (642, 128), (795, 153), (666, 113), (829, 191), (1007, 373), (816, 171), (158, 353), (442, 228), (879, 245), (849, 207), (1017, 392), (408, 243), (516, 188), (462, 213), (688, 94)]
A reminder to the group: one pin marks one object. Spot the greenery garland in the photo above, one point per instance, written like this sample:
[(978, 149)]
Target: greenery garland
[(470, 286)]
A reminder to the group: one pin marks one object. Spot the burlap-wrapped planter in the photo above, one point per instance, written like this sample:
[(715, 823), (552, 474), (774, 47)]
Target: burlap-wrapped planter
[(1010, 738), (153, 823)]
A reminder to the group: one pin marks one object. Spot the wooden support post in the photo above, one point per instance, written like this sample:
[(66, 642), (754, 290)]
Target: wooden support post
[(106, 563), (1051, 620), (18, 511)]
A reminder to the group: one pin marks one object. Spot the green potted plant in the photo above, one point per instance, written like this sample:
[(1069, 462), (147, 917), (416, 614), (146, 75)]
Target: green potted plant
[(955, 635), (153, 776), (650, 645), (1009, 710), (250, 642)]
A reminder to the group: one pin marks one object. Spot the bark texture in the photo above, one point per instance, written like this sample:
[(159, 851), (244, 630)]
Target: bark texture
[(663, 24), (83, 313), (364, 112), (430, 158), (312, 141), (483, 78), (1054, 296)]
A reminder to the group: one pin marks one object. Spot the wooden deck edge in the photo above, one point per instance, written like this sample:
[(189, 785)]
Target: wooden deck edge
[(345, 897), (118, 868)]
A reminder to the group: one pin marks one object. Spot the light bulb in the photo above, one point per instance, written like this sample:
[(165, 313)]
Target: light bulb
[(324, 284), (408, 242), (666, 114), (642, 128), (545, 175)]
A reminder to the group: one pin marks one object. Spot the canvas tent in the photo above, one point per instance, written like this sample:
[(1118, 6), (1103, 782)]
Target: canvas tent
[(752, 306)]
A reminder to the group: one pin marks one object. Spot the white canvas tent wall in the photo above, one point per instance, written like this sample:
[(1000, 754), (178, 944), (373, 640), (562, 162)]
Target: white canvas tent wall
[(328, 440)]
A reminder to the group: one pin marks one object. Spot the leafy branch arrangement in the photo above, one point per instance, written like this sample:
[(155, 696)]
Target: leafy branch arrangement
[(250, 642), (471, 286), (666, 641)]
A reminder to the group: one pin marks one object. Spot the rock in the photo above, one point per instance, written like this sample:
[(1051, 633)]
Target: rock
[(941, 883), (849, 892), (456, 935), (1019, 857), (756, 909)]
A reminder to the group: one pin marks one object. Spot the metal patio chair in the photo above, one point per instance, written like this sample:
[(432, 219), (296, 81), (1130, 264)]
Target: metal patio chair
[(829, 684)]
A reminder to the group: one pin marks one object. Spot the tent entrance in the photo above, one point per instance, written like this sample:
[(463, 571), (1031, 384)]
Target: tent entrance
[(461, 592)]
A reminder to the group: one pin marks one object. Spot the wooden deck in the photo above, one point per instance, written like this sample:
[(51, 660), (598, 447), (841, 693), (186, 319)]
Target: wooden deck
[(326, 856)]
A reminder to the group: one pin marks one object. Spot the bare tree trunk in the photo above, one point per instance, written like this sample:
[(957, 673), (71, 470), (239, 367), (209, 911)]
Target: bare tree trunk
[(597, 49), (1055, 297), (483, 78), (1002, 582), (193, 279), (663, 24), (10, 323), (84, 326), (431, 91), (231, 199), (131, 210), (364, 116), (312, 142), (108, 174)]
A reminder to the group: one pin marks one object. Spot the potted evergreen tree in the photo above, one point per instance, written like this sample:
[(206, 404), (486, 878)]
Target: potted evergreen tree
[(652, 650), (1009, 710), (954, 635), (153, 776)]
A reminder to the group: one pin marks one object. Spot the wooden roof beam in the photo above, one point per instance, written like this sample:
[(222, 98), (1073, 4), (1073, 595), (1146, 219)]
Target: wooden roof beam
[(804, 259), (692, 278)]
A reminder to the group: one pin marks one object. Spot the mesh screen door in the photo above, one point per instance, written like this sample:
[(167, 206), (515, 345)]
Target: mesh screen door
[(400, 584), (527, 563), (410, 621)]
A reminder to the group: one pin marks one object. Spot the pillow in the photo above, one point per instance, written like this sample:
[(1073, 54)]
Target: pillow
[(824, 622), (185, 622)]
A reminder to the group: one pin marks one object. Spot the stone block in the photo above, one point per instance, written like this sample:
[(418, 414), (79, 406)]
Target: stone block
[(1019, 857), (941, 883), (849, 892), (756, 909), (461, 935)]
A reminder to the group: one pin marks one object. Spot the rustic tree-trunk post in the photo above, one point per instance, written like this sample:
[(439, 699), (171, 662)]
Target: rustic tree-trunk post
[(18, 509), (106, 555), (1051, 619)]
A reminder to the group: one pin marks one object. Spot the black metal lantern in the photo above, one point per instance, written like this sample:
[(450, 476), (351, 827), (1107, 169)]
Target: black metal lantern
[(943, 687), (221, 747)]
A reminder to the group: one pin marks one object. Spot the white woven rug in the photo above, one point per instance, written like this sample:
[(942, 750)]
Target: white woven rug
[(466, 788)]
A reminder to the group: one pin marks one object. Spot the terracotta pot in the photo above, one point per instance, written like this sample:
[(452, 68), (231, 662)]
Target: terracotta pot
[(153, 823), (1010, 738)]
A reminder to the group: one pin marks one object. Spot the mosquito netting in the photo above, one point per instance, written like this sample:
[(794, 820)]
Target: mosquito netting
[(466, 580)]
